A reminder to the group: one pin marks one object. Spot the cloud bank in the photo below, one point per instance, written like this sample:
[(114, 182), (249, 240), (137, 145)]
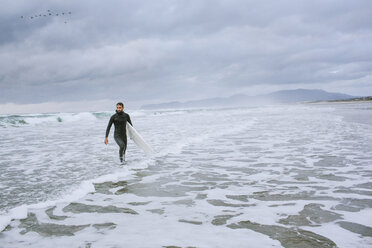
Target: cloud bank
[(154, 51)]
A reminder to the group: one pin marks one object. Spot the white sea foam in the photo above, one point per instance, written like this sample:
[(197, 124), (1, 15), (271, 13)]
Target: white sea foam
[(4, 222), (39, 119), (85, 116), (33, 120), (270, 167), (71, 195)]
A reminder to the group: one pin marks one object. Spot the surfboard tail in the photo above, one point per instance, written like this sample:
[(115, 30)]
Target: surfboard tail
[(138, 140)]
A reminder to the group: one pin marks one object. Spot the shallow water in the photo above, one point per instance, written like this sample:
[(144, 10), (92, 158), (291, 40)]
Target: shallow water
[(278, 176)]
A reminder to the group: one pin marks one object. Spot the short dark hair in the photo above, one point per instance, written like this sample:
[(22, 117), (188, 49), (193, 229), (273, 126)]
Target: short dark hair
[(121, 104)]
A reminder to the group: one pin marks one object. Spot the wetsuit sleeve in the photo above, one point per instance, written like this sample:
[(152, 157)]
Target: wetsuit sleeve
[(109, 126), (130, 121)]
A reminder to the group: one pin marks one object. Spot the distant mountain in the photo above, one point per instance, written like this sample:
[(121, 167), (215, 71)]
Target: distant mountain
[(283, 96), (302, 95)]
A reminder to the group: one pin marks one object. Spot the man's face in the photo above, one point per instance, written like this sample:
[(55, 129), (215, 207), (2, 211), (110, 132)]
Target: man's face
[(119, 108)]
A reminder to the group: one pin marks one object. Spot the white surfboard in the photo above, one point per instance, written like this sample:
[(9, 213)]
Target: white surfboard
[(140, 142)]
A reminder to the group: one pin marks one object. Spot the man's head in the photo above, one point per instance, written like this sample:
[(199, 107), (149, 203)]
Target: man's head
[(119, 107)]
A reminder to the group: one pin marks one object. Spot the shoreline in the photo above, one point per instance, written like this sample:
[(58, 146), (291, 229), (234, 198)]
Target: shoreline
[(368, 100)]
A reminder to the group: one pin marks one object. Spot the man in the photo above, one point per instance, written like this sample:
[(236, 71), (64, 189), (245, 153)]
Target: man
[(120, 120)]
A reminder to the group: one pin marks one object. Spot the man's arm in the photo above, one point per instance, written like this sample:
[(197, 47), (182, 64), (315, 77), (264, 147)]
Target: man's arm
[(129, 120), (108, 129)]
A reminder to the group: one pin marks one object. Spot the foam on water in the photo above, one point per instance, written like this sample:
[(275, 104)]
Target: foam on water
[(276, 176), (38, 119), (71, 195)]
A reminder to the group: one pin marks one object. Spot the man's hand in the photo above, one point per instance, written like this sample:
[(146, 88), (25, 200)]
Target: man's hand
[(106, 141)]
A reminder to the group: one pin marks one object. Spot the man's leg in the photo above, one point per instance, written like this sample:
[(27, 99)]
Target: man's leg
[(125, 145), (121, 141)]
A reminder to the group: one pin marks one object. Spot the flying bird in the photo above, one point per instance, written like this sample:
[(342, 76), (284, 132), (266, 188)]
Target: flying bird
[(49, 13)]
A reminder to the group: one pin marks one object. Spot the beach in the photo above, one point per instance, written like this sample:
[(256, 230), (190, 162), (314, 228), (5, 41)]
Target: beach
[(272, 176)]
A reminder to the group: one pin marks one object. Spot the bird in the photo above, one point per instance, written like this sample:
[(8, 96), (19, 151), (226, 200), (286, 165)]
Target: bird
[(48, 13)]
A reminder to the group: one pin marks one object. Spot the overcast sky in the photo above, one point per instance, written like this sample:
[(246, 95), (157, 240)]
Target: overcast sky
[(164, 50)]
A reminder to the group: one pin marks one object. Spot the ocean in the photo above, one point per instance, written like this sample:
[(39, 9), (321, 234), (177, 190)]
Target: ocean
[(272, 176)]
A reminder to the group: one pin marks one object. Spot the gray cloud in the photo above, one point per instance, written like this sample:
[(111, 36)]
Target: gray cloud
[(166, 50)]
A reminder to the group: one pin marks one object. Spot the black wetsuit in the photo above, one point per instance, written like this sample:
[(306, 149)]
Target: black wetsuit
[(120, 120)]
